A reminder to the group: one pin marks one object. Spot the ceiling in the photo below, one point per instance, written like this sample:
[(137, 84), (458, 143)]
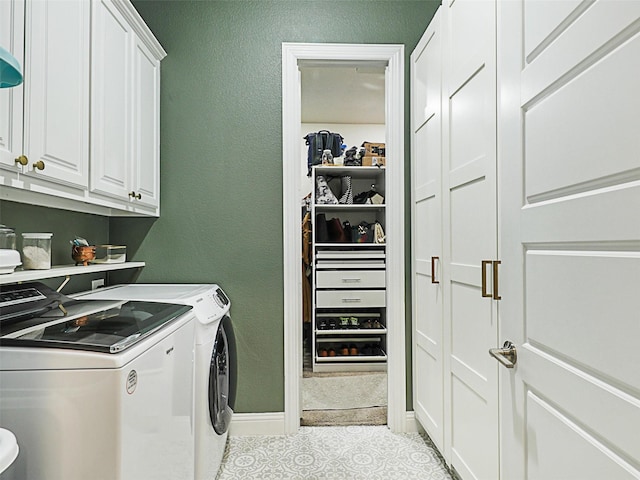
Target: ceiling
[(341, 93)]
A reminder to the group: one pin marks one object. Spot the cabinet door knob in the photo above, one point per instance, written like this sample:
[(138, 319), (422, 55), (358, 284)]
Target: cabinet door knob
[(22, 160), (39, 165), (134, 195)]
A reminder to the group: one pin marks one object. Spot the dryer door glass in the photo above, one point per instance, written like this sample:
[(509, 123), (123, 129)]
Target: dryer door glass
[(219, 384)]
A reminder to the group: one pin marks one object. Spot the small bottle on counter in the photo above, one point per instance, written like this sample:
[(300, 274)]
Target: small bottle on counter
[(36, 251)]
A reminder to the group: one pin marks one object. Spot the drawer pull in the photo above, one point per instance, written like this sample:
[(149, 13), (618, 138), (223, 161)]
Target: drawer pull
[(351, 300), (351, 280)]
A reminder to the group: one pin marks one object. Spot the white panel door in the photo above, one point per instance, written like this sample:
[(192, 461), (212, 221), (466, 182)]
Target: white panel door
[(428, 353), (11, 113), (57, 90), (146, 120), (569, 128), (470, 236), (111, 113)]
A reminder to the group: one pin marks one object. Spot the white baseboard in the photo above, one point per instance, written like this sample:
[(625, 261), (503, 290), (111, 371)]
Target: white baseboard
[(254, 424), (411, 424)]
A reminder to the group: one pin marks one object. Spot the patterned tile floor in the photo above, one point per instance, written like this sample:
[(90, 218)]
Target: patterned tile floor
[(338, 453)]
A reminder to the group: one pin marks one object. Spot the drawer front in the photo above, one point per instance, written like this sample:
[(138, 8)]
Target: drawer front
[(350, 279), (350, 298)]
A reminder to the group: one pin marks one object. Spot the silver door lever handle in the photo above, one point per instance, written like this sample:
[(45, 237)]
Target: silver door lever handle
[(506, 355)]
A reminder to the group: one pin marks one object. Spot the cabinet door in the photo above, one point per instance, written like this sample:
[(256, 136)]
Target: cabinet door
[(426, 78), (470, 235), (111, 115), (146, 125), (11, 112), (57, 90)]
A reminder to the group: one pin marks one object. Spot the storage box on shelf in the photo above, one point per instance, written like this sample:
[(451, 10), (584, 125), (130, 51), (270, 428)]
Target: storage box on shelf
[(349, 301)]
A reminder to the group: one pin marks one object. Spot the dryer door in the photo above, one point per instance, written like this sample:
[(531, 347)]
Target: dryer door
[(219, 381)]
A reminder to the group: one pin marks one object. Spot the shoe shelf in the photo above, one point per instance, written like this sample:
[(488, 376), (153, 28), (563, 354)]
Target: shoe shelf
[(331, 352), (352, 358), (355, 331)]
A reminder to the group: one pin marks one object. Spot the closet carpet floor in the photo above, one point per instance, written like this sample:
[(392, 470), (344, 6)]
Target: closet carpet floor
[(337, 453)]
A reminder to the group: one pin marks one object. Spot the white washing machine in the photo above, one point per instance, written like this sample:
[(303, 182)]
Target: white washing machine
[(215, 364), (96, 389)]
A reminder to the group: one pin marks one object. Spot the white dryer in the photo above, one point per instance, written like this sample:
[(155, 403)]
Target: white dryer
[(96, 389), (215, 364)]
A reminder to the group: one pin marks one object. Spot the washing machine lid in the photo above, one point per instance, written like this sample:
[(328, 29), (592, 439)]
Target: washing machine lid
[(91, 325)]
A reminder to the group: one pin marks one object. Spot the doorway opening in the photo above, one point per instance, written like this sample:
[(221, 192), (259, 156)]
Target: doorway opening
[(313, 100)]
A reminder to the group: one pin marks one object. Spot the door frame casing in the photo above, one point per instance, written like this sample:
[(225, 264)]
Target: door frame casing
[(393, 57)]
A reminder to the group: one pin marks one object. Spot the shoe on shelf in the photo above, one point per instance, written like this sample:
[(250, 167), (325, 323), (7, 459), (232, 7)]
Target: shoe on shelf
[(353, 350), (344, 322), (366, 324), (323, 352), (366, 349), (354, 322), (322, 325), (344, 350), (332, 352), (377, 324), (332, 324)]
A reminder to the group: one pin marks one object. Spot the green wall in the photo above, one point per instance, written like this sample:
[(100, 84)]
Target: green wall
[(221, 158)]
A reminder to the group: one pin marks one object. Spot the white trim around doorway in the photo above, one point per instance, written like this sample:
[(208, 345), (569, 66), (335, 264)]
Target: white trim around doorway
[(393, 57)]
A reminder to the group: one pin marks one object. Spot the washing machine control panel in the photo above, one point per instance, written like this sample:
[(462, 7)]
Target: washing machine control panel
[(20, 296), (221, 299)]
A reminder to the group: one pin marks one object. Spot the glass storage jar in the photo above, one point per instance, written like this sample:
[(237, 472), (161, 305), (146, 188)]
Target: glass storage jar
[(36, 251), (7, 237)]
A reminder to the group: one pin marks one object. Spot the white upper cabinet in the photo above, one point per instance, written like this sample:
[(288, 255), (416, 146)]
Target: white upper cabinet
[(56, 123), (111, 115), (86, 121), (11, 107), (146, 125), (125, 114)]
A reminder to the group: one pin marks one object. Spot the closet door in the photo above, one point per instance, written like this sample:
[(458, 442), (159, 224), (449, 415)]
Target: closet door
[(569, 117), (426, 88), (470, 236)]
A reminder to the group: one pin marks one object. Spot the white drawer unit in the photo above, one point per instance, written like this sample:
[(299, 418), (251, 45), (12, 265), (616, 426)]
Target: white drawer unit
[(350, 279), (350, 298)]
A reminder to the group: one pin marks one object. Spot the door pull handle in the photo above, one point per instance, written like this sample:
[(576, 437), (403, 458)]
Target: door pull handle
[(494, 263), (496, 296), (485, 263), (433, 269), (506, 355)]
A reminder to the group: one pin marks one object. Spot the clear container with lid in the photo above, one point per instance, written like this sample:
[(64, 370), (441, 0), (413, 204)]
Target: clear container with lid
[(7, 238), (36, 251)]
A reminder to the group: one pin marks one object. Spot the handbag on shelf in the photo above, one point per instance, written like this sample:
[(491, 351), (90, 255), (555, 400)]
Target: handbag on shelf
[(362, 233), (378, 233), (336, 231), (322, 233), (369, 197), (348, 231), (324, 195)]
